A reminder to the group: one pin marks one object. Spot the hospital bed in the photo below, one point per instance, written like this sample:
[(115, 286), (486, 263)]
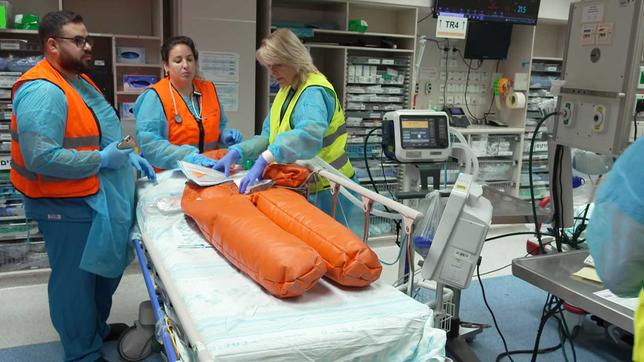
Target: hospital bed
[(215, 312)]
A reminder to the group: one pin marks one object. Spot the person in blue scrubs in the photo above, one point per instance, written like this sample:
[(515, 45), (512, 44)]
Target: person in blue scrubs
[(180, 63), (86, 238), (615, 233), (315, 109)]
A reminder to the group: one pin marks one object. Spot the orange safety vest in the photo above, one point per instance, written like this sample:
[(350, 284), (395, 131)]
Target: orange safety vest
[(202, 134), (82, 133)]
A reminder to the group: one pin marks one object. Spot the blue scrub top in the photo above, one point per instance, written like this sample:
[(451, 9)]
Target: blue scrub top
[(311, 118), (615, 232), (41, 112)]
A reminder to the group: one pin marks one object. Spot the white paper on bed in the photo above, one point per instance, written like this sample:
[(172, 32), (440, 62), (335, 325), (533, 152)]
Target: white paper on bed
[(237, 320), (202, 176)]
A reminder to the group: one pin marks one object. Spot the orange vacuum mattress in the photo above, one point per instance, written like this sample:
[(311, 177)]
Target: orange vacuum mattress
[(278, 238)]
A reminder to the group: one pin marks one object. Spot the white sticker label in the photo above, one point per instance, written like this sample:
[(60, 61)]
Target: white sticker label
[(593, 13), (9, 46), (5, 163), (451, 27), (605, 33), (588, 34)]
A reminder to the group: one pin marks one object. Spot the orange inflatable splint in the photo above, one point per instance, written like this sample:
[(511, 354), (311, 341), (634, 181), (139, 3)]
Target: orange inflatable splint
[(280, 262), (216, 153), (287, 175), (349, 261)]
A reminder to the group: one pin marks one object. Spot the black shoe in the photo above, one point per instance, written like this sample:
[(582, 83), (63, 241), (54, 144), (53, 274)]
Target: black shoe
[(115, 331)]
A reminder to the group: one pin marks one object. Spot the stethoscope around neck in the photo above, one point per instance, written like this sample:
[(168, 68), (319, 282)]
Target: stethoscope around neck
[(177, 117)]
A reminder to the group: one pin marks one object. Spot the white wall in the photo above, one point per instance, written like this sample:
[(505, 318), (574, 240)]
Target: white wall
[(225, 26), (555, 10), (550, 40)]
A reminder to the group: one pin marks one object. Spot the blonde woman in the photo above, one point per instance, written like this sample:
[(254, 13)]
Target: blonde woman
[(305, 120)]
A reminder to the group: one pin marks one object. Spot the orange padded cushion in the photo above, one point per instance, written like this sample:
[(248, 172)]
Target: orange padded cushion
[(280, 262), (349, 261), (216, 154), (287, 175)]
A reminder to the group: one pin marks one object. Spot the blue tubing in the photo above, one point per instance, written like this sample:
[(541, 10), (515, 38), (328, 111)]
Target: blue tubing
[(156, 308)]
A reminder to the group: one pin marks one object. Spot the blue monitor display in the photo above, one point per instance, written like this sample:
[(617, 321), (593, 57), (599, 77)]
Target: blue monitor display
[(508, 11)]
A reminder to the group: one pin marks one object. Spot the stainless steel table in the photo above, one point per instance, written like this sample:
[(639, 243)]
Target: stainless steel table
[(553, 273)]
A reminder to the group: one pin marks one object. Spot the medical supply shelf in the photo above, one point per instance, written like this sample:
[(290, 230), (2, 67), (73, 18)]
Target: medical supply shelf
[(372, 72), (18, 51), (498, 150), (21, 245), (140, 27), (543, 71), (375, 83)]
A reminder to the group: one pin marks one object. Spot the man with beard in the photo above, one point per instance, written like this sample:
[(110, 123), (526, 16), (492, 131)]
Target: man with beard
[(77, 182)]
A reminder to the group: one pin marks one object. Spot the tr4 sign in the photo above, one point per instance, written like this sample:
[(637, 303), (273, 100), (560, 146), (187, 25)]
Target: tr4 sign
[(451, 27)]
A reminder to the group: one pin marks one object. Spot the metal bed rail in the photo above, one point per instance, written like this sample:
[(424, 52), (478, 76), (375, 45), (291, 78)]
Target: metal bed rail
[(159, 314)]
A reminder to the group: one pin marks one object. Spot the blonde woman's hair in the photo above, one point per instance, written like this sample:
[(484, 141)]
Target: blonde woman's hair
[(283, 47)]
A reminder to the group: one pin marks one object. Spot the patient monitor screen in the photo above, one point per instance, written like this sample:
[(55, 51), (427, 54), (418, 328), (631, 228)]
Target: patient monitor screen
[(424, 132)]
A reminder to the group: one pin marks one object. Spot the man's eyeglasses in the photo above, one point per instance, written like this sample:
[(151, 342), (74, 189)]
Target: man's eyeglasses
[(78, 40)]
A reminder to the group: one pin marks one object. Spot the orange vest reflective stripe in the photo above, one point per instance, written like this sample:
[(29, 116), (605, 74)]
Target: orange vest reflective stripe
[(82, 133), (203, 134)]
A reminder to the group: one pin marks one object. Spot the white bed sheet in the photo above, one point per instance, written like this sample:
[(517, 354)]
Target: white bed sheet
[(235, 319)]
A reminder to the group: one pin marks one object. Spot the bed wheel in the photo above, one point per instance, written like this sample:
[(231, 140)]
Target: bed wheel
[(138, 342)]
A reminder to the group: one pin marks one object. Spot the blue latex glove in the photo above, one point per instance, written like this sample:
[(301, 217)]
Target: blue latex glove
[(231, 136), (201, 160), (254, 174), (112, 157), (143, 166), (224, 164)]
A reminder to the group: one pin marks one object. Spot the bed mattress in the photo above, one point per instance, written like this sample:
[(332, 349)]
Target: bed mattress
[(227, 316)]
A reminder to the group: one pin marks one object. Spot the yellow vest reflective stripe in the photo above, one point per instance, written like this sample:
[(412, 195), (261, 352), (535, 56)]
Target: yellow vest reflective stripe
[(638, 347), (335, 138)]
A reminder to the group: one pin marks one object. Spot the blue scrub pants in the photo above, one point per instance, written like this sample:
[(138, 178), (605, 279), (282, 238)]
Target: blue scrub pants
[(346, 213), (79, 301)]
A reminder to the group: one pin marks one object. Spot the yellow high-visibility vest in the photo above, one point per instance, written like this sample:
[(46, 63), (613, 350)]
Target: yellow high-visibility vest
[(335, 138)]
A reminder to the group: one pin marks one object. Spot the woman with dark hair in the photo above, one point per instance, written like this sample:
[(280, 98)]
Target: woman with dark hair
[(180, 117)]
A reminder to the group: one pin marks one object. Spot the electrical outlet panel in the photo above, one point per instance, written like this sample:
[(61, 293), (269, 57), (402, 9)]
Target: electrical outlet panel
[(567, 113), (599, 117), (602, 79), (428, 87), (451, 78), (638, 98)]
